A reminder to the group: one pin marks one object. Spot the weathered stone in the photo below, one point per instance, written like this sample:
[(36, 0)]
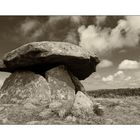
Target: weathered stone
[(24, 87), (71, 119), (83, 106), (78, 85), (29, 106), (110, 122), (55, 106), (33, 123), (46, 113), (2, 66), (62, 90), (1, 108), (41, 56), (98, 109)]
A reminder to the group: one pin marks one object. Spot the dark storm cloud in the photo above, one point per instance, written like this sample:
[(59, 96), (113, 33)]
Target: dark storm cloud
[(56, 28), (18, 30)]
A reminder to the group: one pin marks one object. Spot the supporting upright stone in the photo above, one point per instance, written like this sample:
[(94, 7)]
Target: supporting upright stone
[(83, 106), (78, 85), (62, 89), (27, 88)]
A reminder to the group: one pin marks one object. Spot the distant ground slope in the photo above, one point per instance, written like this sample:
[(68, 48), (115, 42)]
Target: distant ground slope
[(115, 93), (121, 106)]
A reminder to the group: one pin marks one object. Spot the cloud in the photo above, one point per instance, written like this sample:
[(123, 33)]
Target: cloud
[(36, 34), (76, 19), (54, 28), (122, 51), (109, 78), (128, 78), (71, 37), (31, 29), (105, 63), (93, 39), (129, 64), (122, 79), (119, 75), (134, 22), (53, 20), (133, 85), (97, 76), (28, 25), (100, 20), (104, 40), (123, 35), (137, 74), (119, 79)]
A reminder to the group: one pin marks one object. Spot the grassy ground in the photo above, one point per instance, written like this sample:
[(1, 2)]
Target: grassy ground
[(124, 110), (119, 108)]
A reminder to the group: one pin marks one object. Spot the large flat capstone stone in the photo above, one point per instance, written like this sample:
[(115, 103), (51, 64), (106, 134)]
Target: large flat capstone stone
[(42, 56)]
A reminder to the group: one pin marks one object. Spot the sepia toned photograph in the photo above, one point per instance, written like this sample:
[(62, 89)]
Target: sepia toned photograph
[(70, 70)]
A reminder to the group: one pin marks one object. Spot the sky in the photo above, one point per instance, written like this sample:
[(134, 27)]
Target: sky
[(114, 39)]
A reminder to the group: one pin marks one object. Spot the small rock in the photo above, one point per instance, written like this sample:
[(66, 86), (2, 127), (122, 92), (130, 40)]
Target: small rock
[(33, 123), (118, 108), (58, 108), (98, 109), (5, 120), (71, 118), (109, 121), (29, 106), (2, 108), (54, 106), (46, 113), (62, 113), (83, 106)]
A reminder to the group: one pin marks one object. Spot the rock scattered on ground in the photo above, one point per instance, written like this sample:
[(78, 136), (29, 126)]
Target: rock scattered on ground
[(83, 105)]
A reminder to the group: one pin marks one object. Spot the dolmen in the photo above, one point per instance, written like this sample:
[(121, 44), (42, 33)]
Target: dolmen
[(45, 83)]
